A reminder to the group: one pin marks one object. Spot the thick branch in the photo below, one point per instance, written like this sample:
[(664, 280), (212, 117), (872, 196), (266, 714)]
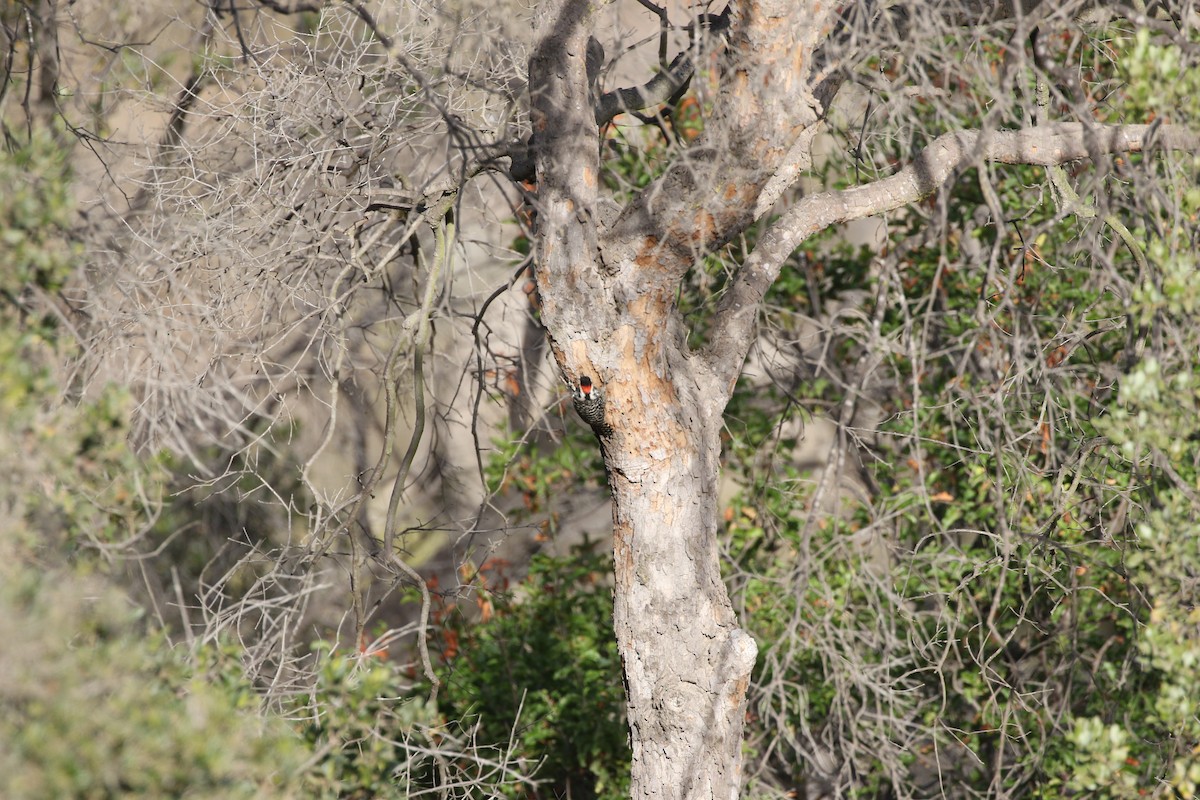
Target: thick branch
[(567, 161), (656, 91), (710, 194), (666, 84), (936, 165), (660, 89)]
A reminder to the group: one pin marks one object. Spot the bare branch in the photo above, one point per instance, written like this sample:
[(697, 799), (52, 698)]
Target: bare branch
[(657, 90), (935, 166), (666, 85)]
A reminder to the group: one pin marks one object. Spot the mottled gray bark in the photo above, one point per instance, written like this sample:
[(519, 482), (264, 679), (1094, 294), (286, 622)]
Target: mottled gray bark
[(608, 306)]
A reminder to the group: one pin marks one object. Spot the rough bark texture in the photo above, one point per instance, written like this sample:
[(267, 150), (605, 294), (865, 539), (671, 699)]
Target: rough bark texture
[(687, 664)]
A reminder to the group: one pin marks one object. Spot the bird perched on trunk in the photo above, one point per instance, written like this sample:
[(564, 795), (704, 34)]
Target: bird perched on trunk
[(589, 402)]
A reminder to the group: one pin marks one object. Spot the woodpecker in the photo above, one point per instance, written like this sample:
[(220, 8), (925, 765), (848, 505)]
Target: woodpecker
[(589, 402)]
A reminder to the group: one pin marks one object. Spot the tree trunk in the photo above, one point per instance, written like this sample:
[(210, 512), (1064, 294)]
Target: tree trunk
[(608, 305), (687, 664)]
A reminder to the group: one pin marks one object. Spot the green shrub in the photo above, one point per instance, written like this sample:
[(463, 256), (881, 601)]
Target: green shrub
[(92, 708), (536, 669), (35, 211)]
